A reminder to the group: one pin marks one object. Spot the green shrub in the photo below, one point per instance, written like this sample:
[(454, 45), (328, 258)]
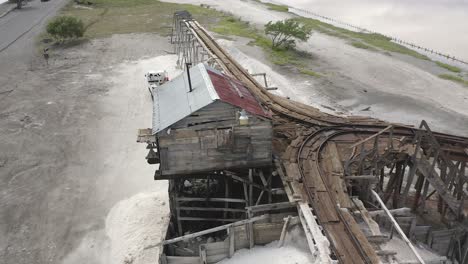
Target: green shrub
[(65, 27)]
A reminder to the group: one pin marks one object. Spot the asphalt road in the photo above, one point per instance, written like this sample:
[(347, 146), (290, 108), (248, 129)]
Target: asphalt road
[(19, 29)]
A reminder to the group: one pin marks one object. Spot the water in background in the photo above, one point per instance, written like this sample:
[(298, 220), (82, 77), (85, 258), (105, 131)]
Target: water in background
[(436, 24)]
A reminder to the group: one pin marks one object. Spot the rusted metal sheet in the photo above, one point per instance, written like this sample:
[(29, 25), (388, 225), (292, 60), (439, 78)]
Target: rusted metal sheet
[(234, 92)]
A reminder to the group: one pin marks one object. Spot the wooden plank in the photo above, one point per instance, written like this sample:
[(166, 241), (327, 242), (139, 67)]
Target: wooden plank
[(361, 238), (316, 181), (182, 260), (217, 248), (232, 236), (212, 259), (203, 254), (268, 207), (371, 137), (332, 164), (197, 199), (283, 231), (373, 226), (186, 218), (209, 209)]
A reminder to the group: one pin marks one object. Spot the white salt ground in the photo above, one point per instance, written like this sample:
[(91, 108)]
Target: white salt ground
[(142, 219), (270, 254), (135, 223), (294, 251), (138, 206)]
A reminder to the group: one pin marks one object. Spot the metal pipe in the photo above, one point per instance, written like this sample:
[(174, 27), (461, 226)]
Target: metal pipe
[(398, 228), (187, 65)]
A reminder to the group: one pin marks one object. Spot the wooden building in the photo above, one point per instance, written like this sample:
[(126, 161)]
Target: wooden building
[(205, 121)]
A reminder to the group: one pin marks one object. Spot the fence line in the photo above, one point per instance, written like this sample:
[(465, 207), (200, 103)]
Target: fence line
[(399, 41)]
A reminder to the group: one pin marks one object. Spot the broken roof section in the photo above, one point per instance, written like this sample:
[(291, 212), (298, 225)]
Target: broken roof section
[(173, 101)]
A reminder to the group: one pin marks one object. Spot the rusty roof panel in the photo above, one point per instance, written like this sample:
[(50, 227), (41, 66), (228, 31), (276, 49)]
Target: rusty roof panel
[(234, 92)]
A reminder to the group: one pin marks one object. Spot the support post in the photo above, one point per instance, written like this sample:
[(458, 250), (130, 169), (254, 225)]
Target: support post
[(251, 187), (226, 195), (232, 241), (283, 231), (418, 187), (203, 254), (250, 231), (179, 223)]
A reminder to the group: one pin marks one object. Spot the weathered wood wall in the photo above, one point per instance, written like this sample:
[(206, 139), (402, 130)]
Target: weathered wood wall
[(264, 233), (212, 139)]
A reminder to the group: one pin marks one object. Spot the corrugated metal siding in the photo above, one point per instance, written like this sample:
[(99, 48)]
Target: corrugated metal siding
[(233, 92)]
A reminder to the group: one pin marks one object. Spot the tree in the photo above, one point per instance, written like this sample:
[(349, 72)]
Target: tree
[(65, 27), (283, 33)]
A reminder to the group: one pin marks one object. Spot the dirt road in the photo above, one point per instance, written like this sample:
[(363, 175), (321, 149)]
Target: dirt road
[(68, 150)]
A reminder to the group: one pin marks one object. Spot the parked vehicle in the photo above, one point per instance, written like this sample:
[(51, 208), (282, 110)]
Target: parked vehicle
[(155, 79)]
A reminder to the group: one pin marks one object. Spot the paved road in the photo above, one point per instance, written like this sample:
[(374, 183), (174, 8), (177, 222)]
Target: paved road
[(19, 29)]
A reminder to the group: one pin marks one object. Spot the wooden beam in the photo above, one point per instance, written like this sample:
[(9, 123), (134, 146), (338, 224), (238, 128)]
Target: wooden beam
[(186, 218), (283, 231), (371, 137), (361, 177), (251, 202), (232, 241), (267, 207), (398, 211), (226, 195), (270, 193), (262, 177), (249, 182), (397, 227), (373, 226), (179, 224), (250, 231), (203, 254), (198, 199), (211, 209), (209, 231)]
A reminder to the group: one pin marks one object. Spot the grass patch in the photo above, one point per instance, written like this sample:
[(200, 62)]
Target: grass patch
[(230, 25), (360, 45), (274, 7), (373, 40), (454, 78), (107, 17), (448, 67), (310, 73), (279, 8), (233, 26)]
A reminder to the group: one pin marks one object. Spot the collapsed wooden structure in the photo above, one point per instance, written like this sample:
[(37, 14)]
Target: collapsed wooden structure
[(331, 174)]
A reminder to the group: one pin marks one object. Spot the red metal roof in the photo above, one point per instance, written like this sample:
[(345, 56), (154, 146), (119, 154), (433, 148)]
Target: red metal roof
[(234, 92)]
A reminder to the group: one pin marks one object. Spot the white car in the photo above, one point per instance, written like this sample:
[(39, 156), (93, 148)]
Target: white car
[(155, 79)]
